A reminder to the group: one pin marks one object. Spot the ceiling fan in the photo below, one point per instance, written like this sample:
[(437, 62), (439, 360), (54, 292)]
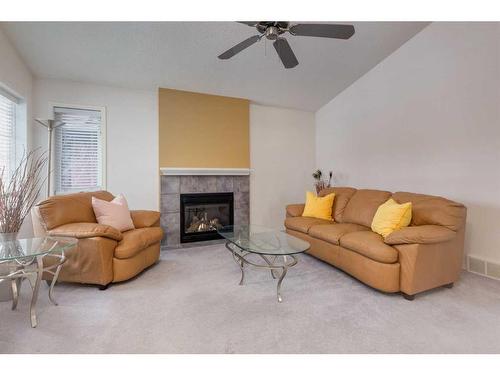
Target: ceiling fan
[(274, 30)]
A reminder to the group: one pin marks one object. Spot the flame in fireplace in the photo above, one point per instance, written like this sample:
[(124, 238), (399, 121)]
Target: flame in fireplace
[(203, 224)]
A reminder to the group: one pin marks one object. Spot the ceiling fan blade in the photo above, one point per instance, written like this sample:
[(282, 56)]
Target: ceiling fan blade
[(239, 47), (248, 23), (323, 30), (285, 53)]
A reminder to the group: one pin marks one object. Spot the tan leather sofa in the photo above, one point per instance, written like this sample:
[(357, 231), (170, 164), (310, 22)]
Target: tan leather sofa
[(425, 255), (104, 255)]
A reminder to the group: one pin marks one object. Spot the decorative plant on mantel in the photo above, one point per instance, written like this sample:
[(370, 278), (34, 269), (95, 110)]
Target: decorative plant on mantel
[(321, 184), (19, 193)]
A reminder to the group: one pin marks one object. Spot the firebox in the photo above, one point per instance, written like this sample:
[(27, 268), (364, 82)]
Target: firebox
[(202, 214)]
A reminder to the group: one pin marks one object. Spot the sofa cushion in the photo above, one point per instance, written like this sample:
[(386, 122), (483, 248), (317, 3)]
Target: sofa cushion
[(342, 196), (302, 223), (433, 210), (332, 233), (362, 206), (370, 245), (136, 240)]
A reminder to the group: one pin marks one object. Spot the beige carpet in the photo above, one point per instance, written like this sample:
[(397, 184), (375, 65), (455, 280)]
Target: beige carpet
[(190, 302)]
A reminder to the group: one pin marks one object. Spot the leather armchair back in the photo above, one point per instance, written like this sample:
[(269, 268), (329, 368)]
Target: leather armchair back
[(71, 208)]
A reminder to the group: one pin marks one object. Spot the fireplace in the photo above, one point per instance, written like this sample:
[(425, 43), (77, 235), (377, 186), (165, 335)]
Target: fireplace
[(203, 213)]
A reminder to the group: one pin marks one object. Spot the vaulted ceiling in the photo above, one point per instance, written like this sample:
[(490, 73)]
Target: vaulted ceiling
[(183, 55)]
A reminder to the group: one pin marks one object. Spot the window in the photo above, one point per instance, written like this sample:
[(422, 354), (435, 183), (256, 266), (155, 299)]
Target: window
[(8, 110), (78, 149)]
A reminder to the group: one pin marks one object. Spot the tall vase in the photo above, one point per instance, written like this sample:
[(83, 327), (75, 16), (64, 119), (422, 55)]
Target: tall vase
[(9, 236), (5, 285)]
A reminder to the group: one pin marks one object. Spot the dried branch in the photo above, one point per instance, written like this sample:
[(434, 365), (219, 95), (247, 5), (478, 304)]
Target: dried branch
[(18, 196)]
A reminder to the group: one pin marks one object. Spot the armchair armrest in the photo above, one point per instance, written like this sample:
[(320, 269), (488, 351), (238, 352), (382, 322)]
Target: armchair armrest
[(293, 210), (86, 230), (421, 234), (144, 218)]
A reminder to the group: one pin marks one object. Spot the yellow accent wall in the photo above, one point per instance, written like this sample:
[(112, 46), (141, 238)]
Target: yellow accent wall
[(203, 131)]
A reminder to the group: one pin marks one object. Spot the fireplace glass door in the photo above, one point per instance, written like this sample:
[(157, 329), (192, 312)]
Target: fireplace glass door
[(202, 214)]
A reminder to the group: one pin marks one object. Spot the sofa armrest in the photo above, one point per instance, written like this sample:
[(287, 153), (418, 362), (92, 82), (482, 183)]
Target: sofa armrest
[(421, 234), (293, 210), (86, 230), (145, 219)]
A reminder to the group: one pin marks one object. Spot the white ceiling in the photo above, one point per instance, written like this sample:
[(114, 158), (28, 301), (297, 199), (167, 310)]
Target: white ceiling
[(183, 55)]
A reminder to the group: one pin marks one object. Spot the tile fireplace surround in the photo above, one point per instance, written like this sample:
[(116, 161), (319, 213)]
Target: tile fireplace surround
[(176, 182)]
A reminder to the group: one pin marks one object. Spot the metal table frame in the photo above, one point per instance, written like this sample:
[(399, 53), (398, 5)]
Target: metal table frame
[(271, 262), (32, 268)]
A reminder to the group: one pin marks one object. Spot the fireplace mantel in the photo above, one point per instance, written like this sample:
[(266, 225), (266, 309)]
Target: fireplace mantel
[(205, 171)]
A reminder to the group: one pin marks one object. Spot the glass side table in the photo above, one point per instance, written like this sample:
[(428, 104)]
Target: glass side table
[(23, 259)]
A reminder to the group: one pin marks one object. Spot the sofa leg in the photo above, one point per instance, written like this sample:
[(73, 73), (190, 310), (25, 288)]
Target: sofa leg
[(408, 297), (103, 287), (449, 286)]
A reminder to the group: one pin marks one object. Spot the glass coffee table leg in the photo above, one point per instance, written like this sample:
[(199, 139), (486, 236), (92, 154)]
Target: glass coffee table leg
[(242, 268), (284, 269), (36, 288), (283, 274)]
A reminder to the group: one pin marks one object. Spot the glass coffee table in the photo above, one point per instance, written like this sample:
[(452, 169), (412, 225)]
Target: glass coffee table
[(23, 259), (265, 248)]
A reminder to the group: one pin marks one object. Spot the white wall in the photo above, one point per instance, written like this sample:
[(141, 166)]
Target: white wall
[(14, 74), (16, 78), (426, 119), (132, 134), (282, 161)]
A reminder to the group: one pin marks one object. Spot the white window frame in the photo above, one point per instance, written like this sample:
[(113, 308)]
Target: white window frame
[(19, 120), (102, 109)]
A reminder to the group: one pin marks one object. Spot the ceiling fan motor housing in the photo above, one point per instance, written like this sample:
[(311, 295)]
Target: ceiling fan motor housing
[(272, 33)]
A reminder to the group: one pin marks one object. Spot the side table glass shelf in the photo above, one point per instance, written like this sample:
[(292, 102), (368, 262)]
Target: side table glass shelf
[(23, 259)]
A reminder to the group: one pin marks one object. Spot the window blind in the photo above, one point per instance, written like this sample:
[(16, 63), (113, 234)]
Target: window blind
[(78, 150), (7, 135)]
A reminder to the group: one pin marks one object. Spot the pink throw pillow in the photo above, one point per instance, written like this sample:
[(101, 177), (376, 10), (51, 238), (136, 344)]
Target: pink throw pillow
[(115, 213)]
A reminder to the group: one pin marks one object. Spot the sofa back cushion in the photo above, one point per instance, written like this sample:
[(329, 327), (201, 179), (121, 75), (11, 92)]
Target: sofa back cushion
[(433, 210), (342, 196), (70, 208), (361, 208)]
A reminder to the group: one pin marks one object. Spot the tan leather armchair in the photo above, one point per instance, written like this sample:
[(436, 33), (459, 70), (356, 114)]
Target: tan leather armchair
[(104, 255)]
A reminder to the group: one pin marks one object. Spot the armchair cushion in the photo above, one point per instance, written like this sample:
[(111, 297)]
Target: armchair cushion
[(136, 240), (86, 230), (144, 218), (421, 234)]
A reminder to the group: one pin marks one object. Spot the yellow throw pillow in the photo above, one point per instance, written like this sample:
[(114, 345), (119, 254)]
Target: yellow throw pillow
[(391, 216), (319, 207)]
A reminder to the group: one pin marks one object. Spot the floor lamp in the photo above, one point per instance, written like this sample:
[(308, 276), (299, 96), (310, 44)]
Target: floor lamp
[(50, 125)]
